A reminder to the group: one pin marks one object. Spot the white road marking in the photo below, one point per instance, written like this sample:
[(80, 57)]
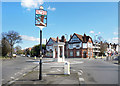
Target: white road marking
[(81, 80), (52, 71), (74, 70), (76, 62), (11, 82), (44, 75), (58, 70), (79, 74), (81, 71), (16, 78), (36, 62), (24, 74), (12, 77), (56, 66)]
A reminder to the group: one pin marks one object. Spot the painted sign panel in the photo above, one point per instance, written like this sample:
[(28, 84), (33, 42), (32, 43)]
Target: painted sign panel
[(41, 18)]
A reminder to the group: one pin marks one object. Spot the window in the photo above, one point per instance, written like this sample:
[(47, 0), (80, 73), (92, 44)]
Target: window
[(77, 53), (71, 53), (70, 46), (84, 45), (90, 45), (77, 46)]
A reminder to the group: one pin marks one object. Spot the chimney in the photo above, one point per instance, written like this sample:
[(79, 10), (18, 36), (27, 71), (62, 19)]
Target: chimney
[(63, 38), (57, 39), (85, 37)]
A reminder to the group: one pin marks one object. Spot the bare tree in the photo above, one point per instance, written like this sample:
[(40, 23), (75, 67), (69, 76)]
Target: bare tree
[(12, 37), (103, 44), (103, 47)]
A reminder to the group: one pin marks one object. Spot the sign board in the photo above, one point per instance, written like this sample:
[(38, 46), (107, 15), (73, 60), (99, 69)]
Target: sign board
[(40, 17)]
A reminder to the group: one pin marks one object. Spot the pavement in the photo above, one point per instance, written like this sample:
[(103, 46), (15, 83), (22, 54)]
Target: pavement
[(83, 72), (15, 68), (53, 75)]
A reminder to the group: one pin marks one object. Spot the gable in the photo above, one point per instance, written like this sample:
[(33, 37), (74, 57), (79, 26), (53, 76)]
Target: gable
[(74, 39), (90, 40), (50, 42)]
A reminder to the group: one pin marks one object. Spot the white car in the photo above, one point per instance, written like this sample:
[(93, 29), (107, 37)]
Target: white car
[(14, 55), (22, 55)]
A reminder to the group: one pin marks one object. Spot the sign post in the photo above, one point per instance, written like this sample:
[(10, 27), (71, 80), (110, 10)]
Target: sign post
[(41, 22)]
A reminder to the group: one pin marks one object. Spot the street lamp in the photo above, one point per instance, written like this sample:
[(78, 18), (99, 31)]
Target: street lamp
[(41, 22), (67, 44)]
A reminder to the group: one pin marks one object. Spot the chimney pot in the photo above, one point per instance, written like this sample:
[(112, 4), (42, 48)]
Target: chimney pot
[(57, 39)]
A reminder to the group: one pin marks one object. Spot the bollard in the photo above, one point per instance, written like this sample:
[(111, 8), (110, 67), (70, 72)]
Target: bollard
[(35, 57), (102, 57), (67, 68)]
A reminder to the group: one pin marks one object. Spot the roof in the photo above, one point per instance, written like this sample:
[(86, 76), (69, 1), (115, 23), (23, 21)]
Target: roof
[(79, 36), (54, 39), (83, 38)]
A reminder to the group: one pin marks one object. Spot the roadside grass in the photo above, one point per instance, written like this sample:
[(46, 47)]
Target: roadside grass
[(4, 57)]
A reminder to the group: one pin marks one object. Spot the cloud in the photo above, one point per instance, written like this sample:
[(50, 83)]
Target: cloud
[(92, 32), (113, 40), (115, 33), (31, 3), (30, 38), (51, 9), (99, 32)]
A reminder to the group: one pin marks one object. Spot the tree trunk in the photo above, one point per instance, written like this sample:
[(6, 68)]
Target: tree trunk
[(11, 51)]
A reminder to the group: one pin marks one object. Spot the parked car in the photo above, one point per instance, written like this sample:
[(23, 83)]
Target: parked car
[(28, 55), (14, 55), (22, 55), (117, 58)]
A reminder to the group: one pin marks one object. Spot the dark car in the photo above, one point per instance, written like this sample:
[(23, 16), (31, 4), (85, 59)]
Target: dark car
[(117, 58), (28, 55)]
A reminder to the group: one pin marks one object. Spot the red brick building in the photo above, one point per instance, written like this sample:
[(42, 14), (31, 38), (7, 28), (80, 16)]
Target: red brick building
[(80, 46)]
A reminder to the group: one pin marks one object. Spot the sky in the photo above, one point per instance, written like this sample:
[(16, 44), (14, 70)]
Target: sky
[(91, 18)]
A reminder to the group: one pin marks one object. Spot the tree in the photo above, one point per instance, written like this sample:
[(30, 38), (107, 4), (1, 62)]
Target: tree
[(5, 47), (18, 49), (12, 37), (103, 44), (36, 50), (103, 47)]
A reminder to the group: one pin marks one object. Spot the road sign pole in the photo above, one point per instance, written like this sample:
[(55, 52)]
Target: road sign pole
[(40, 63), (41, 22)]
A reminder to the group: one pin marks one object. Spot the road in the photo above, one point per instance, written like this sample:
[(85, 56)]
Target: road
[(90, 71), (95, 71), (13, 69)]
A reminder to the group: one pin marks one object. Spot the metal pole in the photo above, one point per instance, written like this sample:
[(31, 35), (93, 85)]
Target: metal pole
[(67, 45), (40, 63)]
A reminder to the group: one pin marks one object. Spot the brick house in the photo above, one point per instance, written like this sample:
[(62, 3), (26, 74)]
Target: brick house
[(80, 46)]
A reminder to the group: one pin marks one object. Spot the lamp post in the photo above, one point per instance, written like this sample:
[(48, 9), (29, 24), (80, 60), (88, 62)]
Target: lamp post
[(67, 44), (41, 22)]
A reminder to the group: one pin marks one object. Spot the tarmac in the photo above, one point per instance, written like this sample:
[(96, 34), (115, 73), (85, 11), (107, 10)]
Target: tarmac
[(52, 75)]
